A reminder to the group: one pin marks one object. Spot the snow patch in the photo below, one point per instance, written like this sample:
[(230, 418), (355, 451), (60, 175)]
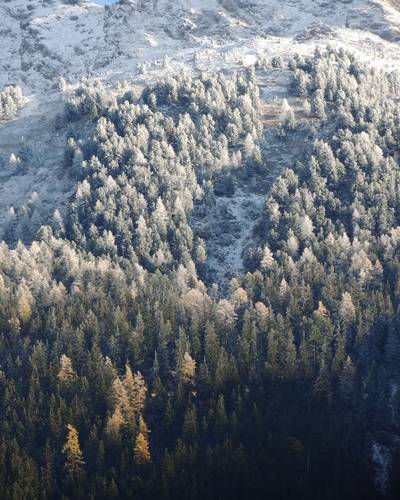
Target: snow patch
[(228, 231)]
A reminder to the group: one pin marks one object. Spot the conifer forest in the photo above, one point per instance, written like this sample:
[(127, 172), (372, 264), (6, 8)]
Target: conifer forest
[(213, 311)]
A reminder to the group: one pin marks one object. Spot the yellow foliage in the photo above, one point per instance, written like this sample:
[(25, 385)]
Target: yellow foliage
[(114, 423), (136, 390), (143, 429), (188, 368), (322, 310), (142, 452), (72, 450), (25, 299), (129, 395)]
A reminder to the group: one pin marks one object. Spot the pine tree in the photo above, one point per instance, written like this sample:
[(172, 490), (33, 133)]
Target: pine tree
[(201, 253), (190, 424), (347, 309), (289, 359), (323, 384), (290, 121), (347, 382), (67, 374), (340, 354), (211, 347), (318, 105), (267, 259)]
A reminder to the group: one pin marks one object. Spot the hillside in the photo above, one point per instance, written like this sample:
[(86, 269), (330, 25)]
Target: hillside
[(45, 40), (42, 41), (200, 249)]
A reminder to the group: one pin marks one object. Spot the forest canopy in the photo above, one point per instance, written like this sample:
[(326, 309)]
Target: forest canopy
[(126, 374)]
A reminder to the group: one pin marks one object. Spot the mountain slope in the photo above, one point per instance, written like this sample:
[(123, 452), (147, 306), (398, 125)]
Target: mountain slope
[(46, 40), (43, 40)]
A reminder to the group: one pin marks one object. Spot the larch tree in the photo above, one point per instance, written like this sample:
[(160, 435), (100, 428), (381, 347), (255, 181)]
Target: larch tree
[(73, 455), (120, 398), (25, 301), (142, 451), (114, 424), (136, 390), (188, 369), (321, 311)]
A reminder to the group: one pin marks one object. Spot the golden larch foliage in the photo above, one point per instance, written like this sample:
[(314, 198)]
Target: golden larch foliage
[(142, 452), (25, 299), (188, 369), (72, 451)]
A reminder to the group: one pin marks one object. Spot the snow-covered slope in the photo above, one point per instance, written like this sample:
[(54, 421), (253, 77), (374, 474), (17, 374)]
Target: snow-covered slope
[(41, 40)]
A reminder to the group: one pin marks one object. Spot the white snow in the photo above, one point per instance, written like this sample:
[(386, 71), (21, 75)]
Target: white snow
[(40, 183), (228, 228), (39, 42), (228, 231)]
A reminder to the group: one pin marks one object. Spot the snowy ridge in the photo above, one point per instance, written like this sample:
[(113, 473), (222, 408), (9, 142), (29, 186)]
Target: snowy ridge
[(42, 40)]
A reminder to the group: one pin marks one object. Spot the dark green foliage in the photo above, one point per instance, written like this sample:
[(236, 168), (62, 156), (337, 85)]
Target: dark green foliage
[(278, 389)]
